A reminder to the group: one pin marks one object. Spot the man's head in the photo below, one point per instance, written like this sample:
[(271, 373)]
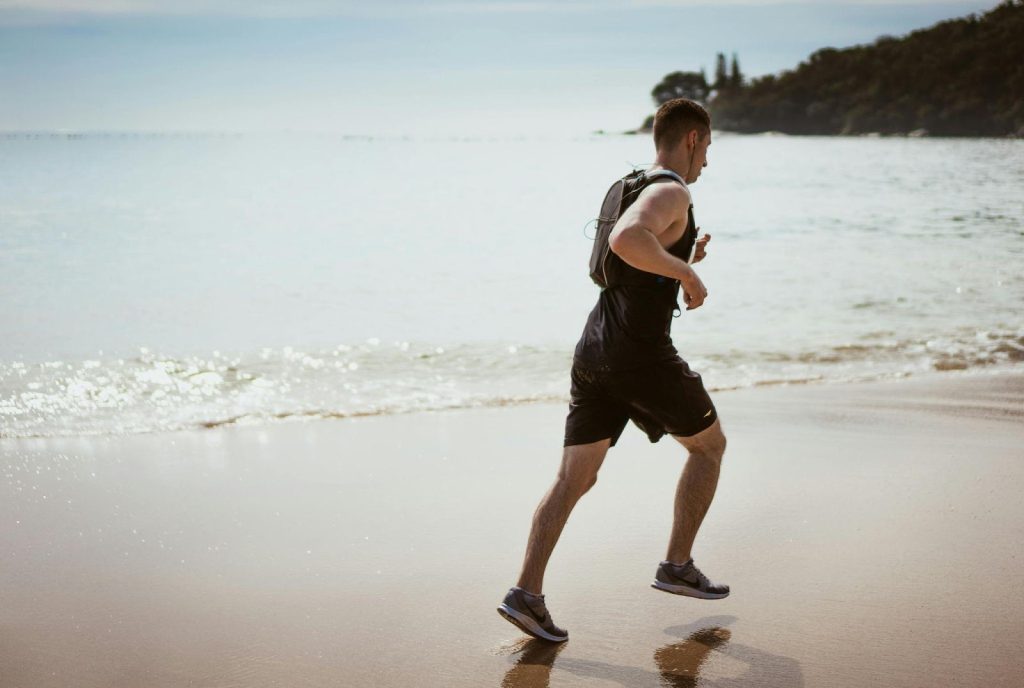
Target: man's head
[(682, 134)]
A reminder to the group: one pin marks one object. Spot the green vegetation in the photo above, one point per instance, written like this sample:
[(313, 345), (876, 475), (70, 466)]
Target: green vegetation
[(963, 77), (694, 85)]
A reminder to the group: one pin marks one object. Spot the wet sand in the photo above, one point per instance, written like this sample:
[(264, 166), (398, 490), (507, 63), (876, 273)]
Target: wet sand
[(871, 534)]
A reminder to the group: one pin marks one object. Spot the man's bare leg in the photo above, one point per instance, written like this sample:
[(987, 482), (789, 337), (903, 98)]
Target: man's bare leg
[(696, 489), (576, 475)]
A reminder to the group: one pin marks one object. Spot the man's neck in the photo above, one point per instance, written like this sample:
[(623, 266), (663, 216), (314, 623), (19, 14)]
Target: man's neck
[(677, 166)]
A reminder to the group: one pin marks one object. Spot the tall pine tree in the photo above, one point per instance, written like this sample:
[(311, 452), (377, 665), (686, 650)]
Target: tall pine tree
[(736, 77), (721, 74)]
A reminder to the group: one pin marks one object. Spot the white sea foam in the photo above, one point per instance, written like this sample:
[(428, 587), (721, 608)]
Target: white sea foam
[(152, 392)]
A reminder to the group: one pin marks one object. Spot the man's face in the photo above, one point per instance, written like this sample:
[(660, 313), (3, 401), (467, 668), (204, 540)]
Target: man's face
[(698, 156)]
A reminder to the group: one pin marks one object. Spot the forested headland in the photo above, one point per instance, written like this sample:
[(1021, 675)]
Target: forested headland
[(962, 77)]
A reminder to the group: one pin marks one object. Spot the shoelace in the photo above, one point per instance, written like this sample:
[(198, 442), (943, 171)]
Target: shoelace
[(702, 581), (542, 617)]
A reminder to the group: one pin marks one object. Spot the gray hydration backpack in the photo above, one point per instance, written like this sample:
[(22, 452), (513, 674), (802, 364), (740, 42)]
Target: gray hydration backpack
[(606, 268)]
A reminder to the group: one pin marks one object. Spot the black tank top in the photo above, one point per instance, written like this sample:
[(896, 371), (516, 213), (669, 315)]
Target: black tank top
[(631, 324)]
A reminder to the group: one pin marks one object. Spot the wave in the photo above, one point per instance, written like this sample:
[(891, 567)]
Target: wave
[(153, 392)]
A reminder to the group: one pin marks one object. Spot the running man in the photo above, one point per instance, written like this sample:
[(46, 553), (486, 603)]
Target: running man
[(626, 368)]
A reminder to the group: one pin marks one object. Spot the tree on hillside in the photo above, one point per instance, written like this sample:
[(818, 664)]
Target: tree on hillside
[(735, 77), (961, 77), (692, 85), (721, 74)]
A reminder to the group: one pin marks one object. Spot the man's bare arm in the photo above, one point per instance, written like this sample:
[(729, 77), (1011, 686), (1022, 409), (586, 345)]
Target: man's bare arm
[(635, 237)]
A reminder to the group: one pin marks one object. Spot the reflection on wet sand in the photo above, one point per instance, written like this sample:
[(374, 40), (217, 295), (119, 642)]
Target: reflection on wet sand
[(533, 667), (679, 663)]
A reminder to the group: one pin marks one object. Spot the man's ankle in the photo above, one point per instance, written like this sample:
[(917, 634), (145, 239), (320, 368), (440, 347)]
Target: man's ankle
[(527, 591)]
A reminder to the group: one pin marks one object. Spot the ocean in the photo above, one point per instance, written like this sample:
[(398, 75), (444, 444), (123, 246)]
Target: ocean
[(153, 282)]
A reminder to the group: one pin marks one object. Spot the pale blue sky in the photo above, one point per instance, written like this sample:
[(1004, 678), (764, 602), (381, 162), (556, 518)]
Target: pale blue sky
[(396, 67)]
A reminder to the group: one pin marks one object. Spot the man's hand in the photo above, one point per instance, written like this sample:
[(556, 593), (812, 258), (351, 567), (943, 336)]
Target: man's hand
[(694, 291), (702, 248)]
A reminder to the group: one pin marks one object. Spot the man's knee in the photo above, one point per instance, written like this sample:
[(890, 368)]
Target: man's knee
[(708, 444), (575, 482), (580, 464), (719, 444)]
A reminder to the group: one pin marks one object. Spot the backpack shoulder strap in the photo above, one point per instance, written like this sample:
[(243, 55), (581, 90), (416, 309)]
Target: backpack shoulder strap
[(665, 173)]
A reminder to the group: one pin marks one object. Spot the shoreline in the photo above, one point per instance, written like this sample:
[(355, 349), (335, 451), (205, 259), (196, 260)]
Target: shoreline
[(305, 416), (869, 531)]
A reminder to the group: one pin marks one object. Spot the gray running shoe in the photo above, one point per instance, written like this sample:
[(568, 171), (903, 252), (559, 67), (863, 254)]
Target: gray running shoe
[(687, 580), (531, 615)]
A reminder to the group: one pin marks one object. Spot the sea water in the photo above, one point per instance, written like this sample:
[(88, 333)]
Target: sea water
[(157, 281)]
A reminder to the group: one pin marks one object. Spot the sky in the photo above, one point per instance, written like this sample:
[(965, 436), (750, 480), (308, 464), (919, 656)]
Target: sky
[(398, 67)]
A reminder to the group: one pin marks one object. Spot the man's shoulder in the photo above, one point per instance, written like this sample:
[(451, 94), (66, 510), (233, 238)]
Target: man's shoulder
[(668, 192)]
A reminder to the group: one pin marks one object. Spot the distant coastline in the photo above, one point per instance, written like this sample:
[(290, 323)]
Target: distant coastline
[(962, 77)]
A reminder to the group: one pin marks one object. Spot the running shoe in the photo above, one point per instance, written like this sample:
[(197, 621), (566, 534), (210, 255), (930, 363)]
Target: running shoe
[(687, 580), (529, 613)]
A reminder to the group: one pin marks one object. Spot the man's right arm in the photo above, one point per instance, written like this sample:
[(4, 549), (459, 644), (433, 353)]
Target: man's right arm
[(635, 237)]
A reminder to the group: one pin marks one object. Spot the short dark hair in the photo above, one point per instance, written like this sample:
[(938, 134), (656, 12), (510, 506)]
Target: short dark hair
[(678, 117)]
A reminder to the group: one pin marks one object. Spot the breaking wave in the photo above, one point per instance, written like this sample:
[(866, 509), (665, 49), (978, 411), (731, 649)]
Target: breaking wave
[(152, 392)]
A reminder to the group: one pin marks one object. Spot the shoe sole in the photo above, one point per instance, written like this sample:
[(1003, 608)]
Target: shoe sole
[(687, 591), (528, 625)]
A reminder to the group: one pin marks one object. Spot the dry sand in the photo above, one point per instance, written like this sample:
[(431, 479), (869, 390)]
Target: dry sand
[(871, 534)]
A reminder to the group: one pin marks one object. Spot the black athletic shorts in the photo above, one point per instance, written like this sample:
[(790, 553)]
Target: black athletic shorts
[(661, 398)]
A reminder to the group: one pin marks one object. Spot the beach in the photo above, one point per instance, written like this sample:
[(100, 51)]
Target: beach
[(291, 293), (870, 533)]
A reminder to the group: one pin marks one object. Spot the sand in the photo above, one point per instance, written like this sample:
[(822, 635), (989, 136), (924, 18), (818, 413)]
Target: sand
[(871, 533)]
